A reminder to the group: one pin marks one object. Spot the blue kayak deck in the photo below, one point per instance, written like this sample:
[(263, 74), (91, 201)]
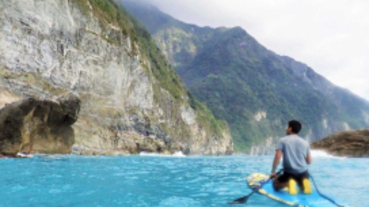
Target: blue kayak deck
[(298, 200)]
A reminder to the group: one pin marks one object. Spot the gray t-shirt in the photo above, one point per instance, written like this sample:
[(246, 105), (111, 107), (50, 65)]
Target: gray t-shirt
[(295, 150)]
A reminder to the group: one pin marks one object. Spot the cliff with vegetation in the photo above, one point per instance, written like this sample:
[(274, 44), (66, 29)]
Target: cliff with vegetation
[(255, 90), (131, 98), (348, 144)]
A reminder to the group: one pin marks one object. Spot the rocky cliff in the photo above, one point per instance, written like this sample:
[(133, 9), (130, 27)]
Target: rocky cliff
[(131, 99), (38, 126), (349, 144), (254, 89)]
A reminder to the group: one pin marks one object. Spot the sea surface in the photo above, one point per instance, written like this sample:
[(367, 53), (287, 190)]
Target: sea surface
[(168, 181)]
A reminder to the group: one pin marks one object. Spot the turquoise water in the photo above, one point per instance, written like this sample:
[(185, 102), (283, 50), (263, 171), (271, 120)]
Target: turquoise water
[(55, 181)]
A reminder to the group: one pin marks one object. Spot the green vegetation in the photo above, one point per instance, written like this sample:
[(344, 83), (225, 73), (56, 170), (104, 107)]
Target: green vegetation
[(111, 14), (206, 117), (237, 78)]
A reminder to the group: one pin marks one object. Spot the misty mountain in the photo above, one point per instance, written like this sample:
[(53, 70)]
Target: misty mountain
[(254, 89)]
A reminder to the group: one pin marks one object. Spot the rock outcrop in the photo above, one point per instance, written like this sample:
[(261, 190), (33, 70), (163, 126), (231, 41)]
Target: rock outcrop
[(131, 99), (349, 144), (38, 126)]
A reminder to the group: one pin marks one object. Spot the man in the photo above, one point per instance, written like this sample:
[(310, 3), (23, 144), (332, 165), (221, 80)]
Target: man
[(296, 158)]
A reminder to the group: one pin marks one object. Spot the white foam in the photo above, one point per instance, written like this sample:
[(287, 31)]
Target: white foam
[(51, 156), (176, 154), (322, 154), (23, 155)]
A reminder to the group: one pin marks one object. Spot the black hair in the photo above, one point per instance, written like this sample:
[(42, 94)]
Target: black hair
[(295, 126)]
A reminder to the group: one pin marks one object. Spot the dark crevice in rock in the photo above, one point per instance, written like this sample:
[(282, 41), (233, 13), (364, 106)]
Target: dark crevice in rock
[(38, 126)]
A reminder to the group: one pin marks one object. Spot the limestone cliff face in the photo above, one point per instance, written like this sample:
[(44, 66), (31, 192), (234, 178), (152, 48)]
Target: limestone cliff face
[(51, 47), (349, 144), (38, 126)]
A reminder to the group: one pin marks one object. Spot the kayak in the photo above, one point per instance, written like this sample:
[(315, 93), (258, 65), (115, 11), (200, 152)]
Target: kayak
[(260, 183)]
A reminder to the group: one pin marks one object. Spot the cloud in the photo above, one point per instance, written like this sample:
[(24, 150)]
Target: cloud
[(331, 36)]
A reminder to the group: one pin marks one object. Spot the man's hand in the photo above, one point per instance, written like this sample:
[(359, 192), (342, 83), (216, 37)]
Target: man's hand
[(309, 160), (277, 158), (273, 175)]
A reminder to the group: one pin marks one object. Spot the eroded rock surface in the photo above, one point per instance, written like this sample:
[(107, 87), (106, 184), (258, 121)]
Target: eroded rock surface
[(38, 126), (349, 144)]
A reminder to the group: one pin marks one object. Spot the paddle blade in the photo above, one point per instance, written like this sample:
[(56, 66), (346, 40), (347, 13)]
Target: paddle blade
[(241, 200)]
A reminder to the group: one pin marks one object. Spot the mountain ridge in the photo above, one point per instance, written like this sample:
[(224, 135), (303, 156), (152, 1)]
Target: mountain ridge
[(241, 80)]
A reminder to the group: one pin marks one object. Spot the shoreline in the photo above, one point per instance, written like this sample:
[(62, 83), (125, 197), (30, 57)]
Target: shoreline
[(178, 154)]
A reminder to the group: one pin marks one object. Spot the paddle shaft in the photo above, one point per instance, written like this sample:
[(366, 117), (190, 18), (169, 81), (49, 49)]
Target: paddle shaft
[(245, 198)]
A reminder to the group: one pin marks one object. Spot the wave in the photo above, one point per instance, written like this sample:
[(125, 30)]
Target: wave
[(23, 155), (176, 154), (54, 156), (322, 154)]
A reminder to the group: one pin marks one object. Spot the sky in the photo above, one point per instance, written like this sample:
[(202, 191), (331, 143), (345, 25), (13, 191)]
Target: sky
[(331, 36)]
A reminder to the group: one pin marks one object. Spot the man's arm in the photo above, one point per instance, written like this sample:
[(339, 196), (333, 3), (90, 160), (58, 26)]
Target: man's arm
[(277, 159), (309, 160)]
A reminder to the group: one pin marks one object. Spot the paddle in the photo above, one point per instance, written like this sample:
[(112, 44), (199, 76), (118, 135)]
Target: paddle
[(244, 199), (241, 200)]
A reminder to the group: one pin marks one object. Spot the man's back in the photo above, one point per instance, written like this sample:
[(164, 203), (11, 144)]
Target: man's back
[(295, 151)]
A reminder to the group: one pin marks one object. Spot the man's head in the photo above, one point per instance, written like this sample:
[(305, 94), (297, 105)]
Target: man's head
[(293, 127)]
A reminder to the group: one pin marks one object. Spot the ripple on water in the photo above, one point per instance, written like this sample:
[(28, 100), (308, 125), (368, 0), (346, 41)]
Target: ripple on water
[(179, 201), (53, 181)]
